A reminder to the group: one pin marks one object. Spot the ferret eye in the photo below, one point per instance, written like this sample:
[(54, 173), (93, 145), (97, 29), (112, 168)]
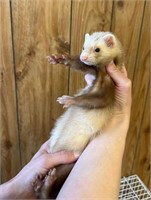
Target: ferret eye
[(97, 50), (83, 48)]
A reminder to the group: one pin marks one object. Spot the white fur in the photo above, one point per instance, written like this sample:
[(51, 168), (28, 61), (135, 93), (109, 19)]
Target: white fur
[(76, 127)]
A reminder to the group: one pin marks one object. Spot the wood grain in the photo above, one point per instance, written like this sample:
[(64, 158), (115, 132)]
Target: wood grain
[(87, 17), (126, 24), (140, 88), (141, 165), (9, 140), (40, 28), (45, 27)]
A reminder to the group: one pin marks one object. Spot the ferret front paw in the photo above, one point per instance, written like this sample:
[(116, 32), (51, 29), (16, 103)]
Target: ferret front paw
[(66, 100), (61, 59)]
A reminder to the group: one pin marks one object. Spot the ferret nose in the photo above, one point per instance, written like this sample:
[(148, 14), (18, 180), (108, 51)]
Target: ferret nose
[(84, 58)]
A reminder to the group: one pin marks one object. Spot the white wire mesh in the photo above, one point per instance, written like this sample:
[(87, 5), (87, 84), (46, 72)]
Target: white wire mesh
[(132, 188)]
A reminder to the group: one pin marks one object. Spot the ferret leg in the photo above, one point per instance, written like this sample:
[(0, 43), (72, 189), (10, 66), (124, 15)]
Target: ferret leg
[(67, 101), (43, 185), (99, 99), (46, 188), (92, 101), (37, 184), (73, 62)]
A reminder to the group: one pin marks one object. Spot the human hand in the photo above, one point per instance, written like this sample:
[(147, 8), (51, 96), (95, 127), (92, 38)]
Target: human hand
[(123, 100), (21, 186)]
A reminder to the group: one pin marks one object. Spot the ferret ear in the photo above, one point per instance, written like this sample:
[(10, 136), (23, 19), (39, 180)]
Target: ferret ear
[(109, 40), (87, 36)]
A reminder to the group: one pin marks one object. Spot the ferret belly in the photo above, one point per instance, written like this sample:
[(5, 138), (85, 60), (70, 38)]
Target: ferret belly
[(76, 127)]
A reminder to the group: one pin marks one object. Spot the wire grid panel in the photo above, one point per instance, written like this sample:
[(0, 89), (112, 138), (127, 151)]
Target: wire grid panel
[(132, 188)]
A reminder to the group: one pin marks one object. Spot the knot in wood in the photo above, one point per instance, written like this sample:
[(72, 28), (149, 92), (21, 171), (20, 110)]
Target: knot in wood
[(120, 3), (103, 20), (62, 46), (31, 53), (7, 144)]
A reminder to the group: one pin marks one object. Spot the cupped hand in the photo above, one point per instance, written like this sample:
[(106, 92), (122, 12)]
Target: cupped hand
[(22, 185)]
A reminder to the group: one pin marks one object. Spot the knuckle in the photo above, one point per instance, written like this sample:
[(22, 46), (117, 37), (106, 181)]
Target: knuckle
[(44, 159), (129, 83)]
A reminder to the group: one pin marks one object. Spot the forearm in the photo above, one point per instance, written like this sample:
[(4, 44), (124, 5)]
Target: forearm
[(14, 189), (8, 190), (97, 173)]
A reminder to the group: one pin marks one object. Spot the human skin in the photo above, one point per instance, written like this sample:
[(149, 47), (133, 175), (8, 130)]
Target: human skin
[(21, 186)]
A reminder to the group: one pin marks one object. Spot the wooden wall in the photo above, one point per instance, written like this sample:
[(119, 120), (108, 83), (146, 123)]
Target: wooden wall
[(31, 30)]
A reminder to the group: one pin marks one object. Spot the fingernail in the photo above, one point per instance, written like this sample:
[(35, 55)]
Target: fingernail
[(76, 154)]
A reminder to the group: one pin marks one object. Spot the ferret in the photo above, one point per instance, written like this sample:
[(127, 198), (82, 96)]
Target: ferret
[(89, 111)]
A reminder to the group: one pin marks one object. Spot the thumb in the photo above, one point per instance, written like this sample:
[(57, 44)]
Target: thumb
[(118, 76), (122, 87), (62, 157)]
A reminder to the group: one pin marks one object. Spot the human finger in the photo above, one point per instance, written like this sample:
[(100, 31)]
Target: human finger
[(123, 70), (63, 157), (43, 149), (118, 76)]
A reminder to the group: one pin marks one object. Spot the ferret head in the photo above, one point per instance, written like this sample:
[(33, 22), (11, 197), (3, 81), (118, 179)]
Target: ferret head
[(99, 48)]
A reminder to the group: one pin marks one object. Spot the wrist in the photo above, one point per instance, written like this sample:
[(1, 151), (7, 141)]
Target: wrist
[(117, 128), (118, 120)]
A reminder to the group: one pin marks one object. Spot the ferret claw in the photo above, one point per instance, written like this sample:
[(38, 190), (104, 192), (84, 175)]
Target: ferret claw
[(52, 173), (63, 99), (66, 100), (43, 184), (37, 184), (54, 59)]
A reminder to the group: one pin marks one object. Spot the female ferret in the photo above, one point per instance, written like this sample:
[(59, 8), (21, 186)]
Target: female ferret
[(89, 111)]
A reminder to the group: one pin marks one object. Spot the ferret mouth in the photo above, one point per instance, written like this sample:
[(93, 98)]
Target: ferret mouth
[(88, 63)]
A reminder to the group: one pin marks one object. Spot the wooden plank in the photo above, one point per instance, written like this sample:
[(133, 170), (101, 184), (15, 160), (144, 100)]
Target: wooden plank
[(87, 17), (140, 87), (9, 141), (40, 28), (141, 165), (126, 24)]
